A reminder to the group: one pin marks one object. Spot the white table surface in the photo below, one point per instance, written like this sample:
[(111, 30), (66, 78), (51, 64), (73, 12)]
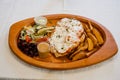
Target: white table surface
[(106, 12)]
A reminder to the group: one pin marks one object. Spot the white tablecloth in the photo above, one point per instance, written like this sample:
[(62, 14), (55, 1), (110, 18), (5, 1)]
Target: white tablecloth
[(106, 12)]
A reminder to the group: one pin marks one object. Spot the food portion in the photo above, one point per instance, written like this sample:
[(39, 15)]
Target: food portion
[(68, 38), (30, 37), (43, 49)]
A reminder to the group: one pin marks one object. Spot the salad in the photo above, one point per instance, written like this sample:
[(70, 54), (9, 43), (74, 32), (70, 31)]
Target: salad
[(31, 35)]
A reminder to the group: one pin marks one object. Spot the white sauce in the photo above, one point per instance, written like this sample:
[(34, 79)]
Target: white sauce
[(66, 34)]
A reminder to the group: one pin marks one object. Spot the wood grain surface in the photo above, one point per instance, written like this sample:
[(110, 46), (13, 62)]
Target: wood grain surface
[(108, 49)]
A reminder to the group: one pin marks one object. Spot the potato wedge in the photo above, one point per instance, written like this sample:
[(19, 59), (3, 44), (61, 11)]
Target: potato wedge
[(91, 52), (82, 47), (80, 55), (93, 38), (90, 25), (85, 46), (98, 36), (86, 28), (82, 38), (90, 44)]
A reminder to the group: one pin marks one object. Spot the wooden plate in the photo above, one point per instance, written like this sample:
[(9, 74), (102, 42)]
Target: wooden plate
[(106, 51)]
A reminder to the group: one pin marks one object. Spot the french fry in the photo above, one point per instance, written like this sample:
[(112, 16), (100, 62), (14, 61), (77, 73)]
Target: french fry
[(82, 38), (90, 44), (80, 48), (85, 46), (91, 52), (80, 55), (81, 45), (93, 38), (98, 36), (86, 28), (90, 25)]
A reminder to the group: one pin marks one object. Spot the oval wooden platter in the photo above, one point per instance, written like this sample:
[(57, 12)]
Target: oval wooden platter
[(108, 49)]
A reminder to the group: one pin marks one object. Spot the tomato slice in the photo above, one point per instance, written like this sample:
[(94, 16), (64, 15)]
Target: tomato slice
[(27, 38), (44, 39)]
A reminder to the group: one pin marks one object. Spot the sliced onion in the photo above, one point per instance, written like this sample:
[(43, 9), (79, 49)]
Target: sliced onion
[(40, 20)]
